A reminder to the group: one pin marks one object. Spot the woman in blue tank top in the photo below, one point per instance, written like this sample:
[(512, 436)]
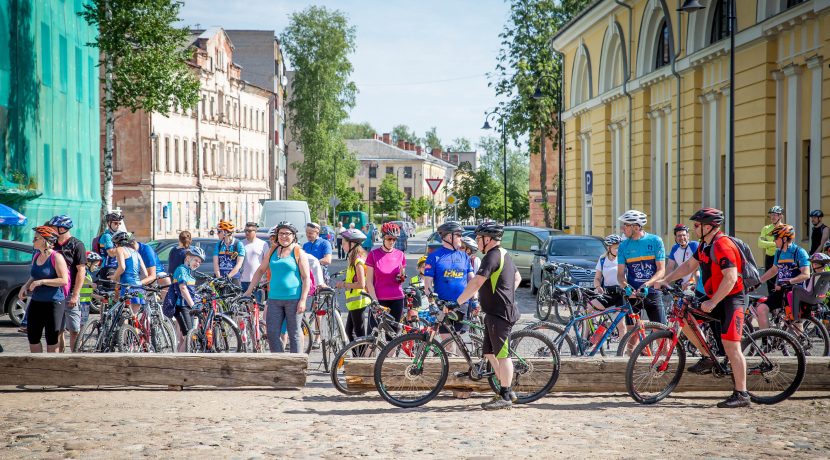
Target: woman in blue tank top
[(130, 273), (47, 287)]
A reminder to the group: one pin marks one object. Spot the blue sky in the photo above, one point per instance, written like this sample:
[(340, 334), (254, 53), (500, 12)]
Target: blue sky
[(418, 62)]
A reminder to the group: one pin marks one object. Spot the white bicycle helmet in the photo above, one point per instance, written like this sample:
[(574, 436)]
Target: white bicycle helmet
[(634, 217)]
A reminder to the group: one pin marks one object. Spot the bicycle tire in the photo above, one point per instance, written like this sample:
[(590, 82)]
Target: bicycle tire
[(160, 337), (547, 366), (564, 343), (308, 338), (226, 335), (544, 301), (129, 341), (759, 375), (409, 346), (474, 347), (563, 308), (816, 336), (170, 330), (364, 347), (658, 342), (87, 340), (193, 341), (650, 326)]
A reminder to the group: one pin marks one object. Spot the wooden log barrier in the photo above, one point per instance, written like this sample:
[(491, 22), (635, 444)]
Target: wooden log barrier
[(282, 370), (595, 375)]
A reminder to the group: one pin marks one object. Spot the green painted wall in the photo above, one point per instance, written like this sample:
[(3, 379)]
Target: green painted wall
[(49, 115)]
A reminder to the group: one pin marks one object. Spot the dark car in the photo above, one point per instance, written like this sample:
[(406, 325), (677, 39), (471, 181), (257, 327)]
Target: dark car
[(164, 246), (434, 240), (16, 260), (581, 250)]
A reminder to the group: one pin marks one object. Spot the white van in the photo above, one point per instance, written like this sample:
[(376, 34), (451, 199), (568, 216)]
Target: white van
[(276, 211)]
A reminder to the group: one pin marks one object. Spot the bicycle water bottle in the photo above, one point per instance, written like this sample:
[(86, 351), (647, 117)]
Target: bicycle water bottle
[(595, 338), (209, 337), (243, 331)]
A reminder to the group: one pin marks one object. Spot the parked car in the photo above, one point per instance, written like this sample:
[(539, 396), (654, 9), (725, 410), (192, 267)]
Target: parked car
[(276, 211), (580, 250), (164, 246), (409, 226), (522, 242), (16, 260)]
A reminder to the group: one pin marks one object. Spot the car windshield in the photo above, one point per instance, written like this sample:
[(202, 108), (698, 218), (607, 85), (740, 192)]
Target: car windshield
[(588, 248)]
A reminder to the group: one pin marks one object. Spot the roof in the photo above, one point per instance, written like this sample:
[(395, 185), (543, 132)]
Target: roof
[(576, 18), (375, 149)]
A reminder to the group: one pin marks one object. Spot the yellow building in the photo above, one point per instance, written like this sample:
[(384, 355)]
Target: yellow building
[(654, 130)]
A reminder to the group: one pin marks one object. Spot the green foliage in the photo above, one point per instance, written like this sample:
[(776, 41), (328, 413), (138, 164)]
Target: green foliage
[(402, 132), (145, 51), (318, 42), (482, 184), (460, 144), (391, 196), (357, 130), (418, 207), (431, 139)]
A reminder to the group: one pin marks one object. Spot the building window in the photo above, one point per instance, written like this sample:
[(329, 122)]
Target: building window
[(93, 81), (663, 55), (45, 55), (79, 74), (407, 172), (720, 22), (185, 157), (373, 193), (64, 62), (166, 163), (176, 155), (792, 3), (408, 192), (390, 170), (373, 172)]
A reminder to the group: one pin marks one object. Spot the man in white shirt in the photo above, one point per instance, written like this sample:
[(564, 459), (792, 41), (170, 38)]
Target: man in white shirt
[(255, 250)]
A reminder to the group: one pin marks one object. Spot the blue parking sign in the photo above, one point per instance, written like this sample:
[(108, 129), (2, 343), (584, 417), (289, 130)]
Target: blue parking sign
[(589, 182)]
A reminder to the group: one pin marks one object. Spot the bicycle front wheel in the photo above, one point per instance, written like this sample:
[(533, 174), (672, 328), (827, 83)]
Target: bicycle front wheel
[(226, 335), (87, 340), (563, 307), (362, 348), (815, 339), (775, 365), (411, 370), (535, 366), (564, 343), (654, 368), (129, 341)]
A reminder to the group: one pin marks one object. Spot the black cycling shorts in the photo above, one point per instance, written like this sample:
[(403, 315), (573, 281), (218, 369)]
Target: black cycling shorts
[(652, 304), (775, 300), (496, 332)]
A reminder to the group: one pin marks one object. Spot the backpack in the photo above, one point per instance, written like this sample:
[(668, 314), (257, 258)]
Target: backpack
[(749, 269), (96, 245)]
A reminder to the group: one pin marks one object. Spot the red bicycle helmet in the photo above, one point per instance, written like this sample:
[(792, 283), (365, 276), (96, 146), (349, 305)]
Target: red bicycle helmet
[(390, 229)]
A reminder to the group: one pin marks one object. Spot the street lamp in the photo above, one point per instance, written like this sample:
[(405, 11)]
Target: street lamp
[(487, 126)]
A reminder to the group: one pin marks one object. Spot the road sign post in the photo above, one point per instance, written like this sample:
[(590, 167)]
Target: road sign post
[(433, 187), (474, 202)]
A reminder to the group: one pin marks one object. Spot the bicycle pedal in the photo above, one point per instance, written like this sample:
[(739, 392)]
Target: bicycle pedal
[(461, 374)]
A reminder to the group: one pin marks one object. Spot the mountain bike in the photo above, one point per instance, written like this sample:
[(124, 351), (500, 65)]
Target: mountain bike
[(325, 325), (657, 363), (810, 331), (145, 330), (212, 331), (556, 294), (422, 371)]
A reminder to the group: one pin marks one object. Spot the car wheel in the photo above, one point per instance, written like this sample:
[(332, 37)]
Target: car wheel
[(533, 289), (16, 309)]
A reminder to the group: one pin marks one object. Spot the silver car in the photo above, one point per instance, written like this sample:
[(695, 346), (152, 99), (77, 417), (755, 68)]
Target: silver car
[(581, 250)]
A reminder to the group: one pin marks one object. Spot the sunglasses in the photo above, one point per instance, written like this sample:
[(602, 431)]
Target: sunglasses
[(250, 230)]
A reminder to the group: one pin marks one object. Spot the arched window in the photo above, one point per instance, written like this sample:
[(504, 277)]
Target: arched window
[(581, 79), (612, 60), (720, 22), (662, 55)]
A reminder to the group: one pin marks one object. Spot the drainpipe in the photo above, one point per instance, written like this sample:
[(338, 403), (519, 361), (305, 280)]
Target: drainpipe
[(561, 134), (627, 94), (200, 186), (673, 53)]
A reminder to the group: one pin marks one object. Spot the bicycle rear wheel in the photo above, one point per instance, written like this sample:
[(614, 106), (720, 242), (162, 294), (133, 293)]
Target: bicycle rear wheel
[(652, 373), (129, 341), (87, 340), (544, 301), (226, 336), (563, 307), (815, 339), (775, 365), (564, 343), (194, 342), (411, 370), (159, 338), (535, 366), (362, 348)]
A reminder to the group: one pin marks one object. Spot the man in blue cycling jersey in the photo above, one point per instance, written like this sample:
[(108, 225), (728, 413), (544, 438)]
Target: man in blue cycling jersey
[(448, 269), (641, 264)]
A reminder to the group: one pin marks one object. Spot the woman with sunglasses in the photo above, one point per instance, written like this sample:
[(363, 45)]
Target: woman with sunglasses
[(48, 286), (386, 271)]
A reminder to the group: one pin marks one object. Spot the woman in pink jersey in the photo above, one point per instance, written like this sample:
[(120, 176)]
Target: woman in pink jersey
[(385, 271)]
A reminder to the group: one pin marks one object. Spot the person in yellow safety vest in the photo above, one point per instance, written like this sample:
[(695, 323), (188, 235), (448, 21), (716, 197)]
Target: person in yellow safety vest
[(355, 282), (767, 242)]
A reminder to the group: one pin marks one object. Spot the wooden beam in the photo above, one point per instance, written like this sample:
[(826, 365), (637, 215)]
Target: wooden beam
[(595, 375), (281, 370)]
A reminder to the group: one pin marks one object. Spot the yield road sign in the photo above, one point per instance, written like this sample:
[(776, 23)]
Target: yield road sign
[(474, 202), (434, 184), (334, 202)]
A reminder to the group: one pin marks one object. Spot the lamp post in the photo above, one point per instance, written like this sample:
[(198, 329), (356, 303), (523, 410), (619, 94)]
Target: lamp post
[(285, 168), (487, 126)]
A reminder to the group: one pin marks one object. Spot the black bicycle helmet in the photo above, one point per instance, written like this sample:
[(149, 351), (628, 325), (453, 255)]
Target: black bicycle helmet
[(816, 213), (494, 230), (450, 226), (122, 238), (114, 216), (708, 216)]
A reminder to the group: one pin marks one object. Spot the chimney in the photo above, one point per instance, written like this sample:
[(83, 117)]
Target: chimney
[(401, 144), (375, 136), (418, 150), (455, 159), (387, 138), (407, 146), (436, 152)]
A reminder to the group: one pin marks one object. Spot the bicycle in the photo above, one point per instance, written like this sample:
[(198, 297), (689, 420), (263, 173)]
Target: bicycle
[(558, 292), (657, 363), (812, 334), (212, 331), (598, 336), (326, 329), (421, 374), (145, 330)]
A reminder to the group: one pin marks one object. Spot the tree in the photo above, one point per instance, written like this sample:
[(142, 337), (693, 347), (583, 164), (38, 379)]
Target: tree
[(525, 61), (318, 42), (460, 144), (391, 195), (480, 183), (402, 132), (145, 65), (518, 175), (418, 207), (357, 130), (431, 139)]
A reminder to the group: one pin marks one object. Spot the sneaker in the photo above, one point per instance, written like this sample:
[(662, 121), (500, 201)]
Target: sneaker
[(736, 400), (497, 403), (703, 366), (513, 397), (491, 401)]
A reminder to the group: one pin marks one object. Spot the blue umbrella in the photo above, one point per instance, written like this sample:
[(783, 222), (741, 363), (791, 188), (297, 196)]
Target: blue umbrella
[(9, 216)]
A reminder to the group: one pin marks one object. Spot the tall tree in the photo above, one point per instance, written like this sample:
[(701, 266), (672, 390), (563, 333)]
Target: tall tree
[(526, 61), (392, 198), (357, 130), (318, 42), (460, 144), (431, 139), (492, 161), (418, 207), (402, 132), (144, 63)]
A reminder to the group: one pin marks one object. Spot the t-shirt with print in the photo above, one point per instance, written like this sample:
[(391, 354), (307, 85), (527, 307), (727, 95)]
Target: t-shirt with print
[(640, 258), (386, 267), (74, 252), (448, 270), (254, 253), (184, 276), (104, 243), (724, 254), (608, 267), (679, 255), (227, 255), (789, 262), (498, 299)]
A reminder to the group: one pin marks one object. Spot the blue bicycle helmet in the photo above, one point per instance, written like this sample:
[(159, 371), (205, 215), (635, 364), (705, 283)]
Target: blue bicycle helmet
[(196, 251), (61, 221)]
